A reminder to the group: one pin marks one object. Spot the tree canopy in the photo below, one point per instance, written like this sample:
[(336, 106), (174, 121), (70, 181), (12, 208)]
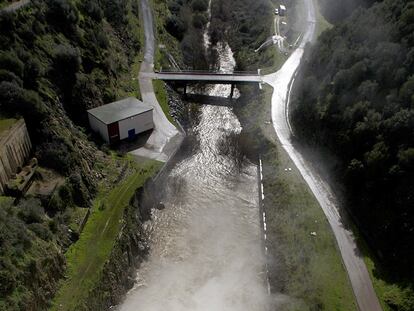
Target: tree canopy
[(356, 98)]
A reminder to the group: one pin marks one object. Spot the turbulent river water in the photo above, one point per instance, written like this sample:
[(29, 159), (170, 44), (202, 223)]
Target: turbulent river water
[(206, 250)]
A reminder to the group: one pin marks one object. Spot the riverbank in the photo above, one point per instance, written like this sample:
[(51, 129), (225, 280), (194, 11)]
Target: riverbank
[(96, 250), (353, 262), (305, 267)]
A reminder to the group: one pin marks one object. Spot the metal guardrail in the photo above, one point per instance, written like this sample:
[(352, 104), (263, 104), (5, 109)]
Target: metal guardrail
[(207, 72)]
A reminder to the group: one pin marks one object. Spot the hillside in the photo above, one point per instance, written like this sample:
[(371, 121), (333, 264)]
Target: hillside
[(57, 59), (355, 102)]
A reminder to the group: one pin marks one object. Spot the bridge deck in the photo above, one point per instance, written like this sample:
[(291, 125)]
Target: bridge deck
[(225, 78)]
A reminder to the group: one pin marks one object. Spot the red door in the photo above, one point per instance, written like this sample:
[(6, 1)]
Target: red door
[(113, 132)]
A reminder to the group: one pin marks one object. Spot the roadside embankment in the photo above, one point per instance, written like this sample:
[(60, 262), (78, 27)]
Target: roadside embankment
[(102, 261), (305, 268)]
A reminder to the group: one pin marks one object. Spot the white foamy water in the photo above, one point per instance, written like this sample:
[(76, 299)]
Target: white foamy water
[(206, 249)]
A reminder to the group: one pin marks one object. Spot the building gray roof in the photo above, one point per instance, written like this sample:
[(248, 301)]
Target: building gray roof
[(119, 110)]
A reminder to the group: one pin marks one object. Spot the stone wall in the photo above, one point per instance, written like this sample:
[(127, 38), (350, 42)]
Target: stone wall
[(15, 148)]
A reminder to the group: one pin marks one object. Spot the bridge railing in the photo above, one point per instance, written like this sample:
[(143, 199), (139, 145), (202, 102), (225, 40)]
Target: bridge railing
[(208, 72)]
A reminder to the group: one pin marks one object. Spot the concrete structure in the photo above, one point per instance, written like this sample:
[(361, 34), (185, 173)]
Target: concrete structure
[(208, 77), (15, 148), (122, 119)]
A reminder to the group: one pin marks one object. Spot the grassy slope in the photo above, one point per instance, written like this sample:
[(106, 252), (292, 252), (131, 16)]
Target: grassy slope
[(171, 45), (308, 268), (129, 83), (316, 275), (321, 23), (315, 269), (162, 97), (389, 292), (86, 258), (5, 124)]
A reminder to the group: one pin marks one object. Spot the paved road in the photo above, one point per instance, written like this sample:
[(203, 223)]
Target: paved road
[(164, 138), (282, 81), (208, 78)]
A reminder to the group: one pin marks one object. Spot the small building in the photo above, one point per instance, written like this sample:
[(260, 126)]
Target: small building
[(282, 10), (121, 119)]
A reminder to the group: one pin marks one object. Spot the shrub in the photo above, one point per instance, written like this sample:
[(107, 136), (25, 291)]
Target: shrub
[(79, 190), (9, 76), (63, 15), (66, 63), (7, 276), (32, 72), (16, 100), (199, 20), (92, 9), (200, 5), (10, 62), (41, 230), (85, 95), (115, 12), (55, 154), (176, 27), (30, 211)]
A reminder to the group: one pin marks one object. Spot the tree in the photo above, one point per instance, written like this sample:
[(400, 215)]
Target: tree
[(86, 95), (199, 5), (116, 12), (176, 27), (15, 100), (30, 211), (9, 61), (92, 9), (63, 15), (66, 64)]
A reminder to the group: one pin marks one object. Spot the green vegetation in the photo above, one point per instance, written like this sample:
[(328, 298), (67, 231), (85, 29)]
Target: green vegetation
[(355, 101), (307, 269), (162, 97), (313, 269), (86, 257), (129, 82), (4, 3), (321, 23), (5, 124), (59, 58), (278, 61), (166, 42), (336, 11), (392, 294), (184, 21), (245, 25), (27, 249)]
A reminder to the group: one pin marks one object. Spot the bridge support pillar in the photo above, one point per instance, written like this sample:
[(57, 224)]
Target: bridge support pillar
[(232, 90), (185, 89)]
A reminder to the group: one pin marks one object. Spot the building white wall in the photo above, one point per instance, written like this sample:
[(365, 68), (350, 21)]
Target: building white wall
[(99, 127), (141, 123)]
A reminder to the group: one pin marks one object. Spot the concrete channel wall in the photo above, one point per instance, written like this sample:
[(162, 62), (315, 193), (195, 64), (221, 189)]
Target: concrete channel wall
[(15, 148)]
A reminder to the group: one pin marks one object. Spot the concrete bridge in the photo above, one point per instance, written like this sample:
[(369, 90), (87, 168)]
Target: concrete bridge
[(208, 77)]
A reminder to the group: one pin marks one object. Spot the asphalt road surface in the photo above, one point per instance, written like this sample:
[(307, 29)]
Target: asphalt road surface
[(282, 81), (165, 137)]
